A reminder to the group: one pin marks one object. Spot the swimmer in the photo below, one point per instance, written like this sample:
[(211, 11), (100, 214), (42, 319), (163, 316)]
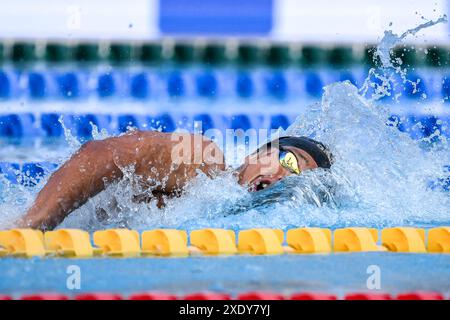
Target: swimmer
[(151, 155)]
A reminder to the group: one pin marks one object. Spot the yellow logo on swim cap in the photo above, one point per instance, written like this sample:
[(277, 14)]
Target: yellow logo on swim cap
[(289, 161)]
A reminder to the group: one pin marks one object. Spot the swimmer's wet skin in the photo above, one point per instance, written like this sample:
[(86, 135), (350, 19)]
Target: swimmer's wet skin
[(149, 153)]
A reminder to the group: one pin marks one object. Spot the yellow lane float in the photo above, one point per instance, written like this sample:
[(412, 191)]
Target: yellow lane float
[(355, 239), (171, 242), (309, 240), (165, 242), (261, 241), (22, 242), (439, 240), (214, 241), (69, 243), (404, 239), (118, 242)]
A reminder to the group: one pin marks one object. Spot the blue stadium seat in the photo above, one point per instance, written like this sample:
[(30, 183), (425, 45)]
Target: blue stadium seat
[(244, 85)]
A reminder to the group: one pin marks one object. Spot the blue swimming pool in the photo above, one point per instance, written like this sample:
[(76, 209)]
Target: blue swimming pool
[(284, 274), (388, 132), (372, 189)]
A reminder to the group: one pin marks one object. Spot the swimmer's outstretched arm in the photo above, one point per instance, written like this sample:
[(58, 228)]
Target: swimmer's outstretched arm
[(80, 178), (98, 163)]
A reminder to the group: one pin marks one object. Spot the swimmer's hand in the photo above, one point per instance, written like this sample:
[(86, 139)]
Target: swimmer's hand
[(98, 163)]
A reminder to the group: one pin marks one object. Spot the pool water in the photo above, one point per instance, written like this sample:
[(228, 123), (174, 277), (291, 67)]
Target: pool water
[(381, 177), (336, 273)]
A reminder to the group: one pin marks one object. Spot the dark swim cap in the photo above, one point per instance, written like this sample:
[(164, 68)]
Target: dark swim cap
[(317, 150)]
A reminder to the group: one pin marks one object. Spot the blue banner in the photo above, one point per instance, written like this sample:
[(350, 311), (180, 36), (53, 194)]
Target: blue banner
[(216, 17)]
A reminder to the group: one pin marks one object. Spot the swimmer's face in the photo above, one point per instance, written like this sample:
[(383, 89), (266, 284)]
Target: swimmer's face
[(263, 168)]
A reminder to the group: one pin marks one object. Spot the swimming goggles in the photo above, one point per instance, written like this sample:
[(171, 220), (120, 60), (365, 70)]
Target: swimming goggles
[(288, 160)]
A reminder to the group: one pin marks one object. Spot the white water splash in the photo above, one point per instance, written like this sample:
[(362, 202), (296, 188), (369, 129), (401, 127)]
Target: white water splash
[(71, 140), (380, 178), (390, 40), (389, 72)]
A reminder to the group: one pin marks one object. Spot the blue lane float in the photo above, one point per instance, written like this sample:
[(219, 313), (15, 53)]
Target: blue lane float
[(69, 85), (313, 84), (206, 121), (16, 127), (163, 122), (240, 121), (279, 121), (207, 85), (415, 87), (175, 85), (244, 85), (27, 174), (445, 91), (277, 86), (275, 83), (129, 121), (5, 85), (9, 171), (140, 86), (106, 85), (37, 85), (419, 126), (83, 124), (348, 76), (51, 126)]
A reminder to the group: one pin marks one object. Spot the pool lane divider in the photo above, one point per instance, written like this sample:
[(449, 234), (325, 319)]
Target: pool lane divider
[(249, 295), (262, 241)]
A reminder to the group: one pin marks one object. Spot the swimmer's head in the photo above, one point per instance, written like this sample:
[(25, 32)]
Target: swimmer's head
[(281, 158)]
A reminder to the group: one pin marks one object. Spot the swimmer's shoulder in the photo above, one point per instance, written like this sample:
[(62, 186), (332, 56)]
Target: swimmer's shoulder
[(171, 138), (151, 142)]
